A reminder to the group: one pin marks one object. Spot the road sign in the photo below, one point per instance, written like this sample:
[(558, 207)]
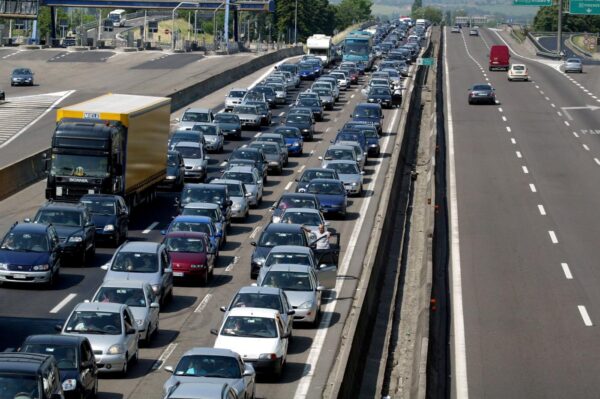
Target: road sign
[(425, 61), (584, 7), (532, 3)]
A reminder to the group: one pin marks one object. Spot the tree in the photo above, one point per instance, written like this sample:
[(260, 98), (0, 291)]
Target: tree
[(416, 5), (432, 14), (546, 20)]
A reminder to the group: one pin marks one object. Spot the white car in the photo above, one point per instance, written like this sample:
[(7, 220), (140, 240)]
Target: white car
[(518, 72), (234, 97), (258, 335)]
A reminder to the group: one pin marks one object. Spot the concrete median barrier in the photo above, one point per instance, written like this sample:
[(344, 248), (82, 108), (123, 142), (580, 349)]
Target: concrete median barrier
[(21, 174)]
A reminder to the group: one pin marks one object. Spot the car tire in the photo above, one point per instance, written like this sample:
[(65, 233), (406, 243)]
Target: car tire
[(123, 372), (50, 284), (204, 281)]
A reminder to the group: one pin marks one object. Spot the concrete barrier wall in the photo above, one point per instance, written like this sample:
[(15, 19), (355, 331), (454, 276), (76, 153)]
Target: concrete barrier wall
[(30, 170)]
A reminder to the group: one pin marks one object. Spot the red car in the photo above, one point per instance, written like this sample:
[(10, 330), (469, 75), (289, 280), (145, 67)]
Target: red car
[(192, 255)]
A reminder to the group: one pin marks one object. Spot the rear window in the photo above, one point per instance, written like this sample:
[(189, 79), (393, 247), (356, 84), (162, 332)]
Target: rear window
[(518, 67)]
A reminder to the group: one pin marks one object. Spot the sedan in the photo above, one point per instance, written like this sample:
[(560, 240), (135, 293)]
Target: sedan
[(140, 298), (213, 365), (309, 218), (518, 72), (349, 174), (251, 179), (473, 32), (482, 93), (110, 215), (314, 173), (192, 255), (230, 125), (331, 194), (455, 29), (198, 224), (21, 76), (238, 195), (304, 123), (211, 210), (294, 141), (573, 65), (249, 116)]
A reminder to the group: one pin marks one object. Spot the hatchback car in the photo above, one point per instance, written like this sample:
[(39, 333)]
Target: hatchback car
[(293, 200), (573, 65), (331, 194), (214, 140), (110, 215), (350, 174), (110, 328), (482, 93), (30, 253), (294, 142), (258, 335), (140, 298), (380, 95), (210, 210), (213, 365), (230, 125), (251, 179), (21, 77), (210, 193), (240, 207), (313, 173), (192, 255), (144, 261), (304, 123), (518, 72), (194, 159)]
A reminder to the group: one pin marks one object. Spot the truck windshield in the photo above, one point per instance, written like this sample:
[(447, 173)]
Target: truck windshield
[(19, 385), (79, 165), (356, 47)]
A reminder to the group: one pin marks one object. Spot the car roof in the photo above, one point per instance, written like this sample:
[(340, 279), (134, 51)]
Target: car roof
[(283, 227), (54, 339), (21, 361), (226, 181), (302, 210), (186, 234), (325, 181), (192, 219), (202, 205), (103, 196), (289, 267), (258, 312), (368, 105), (298, 195), (211, 352), (205, 185), (198, 110), (63, 205), (188, 144), (140, 246), (122, 283), (341, 161), (340, 147), (99, 307), (294, 249), (254, 289), (246, 148), (30, 227), (241, 169)]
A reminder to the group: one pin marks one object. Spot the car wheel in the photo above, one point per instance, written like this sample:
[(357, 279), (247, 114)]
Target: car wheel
[(84, 258), (204, 281), (94, 393), (125, 366), (51, 281)]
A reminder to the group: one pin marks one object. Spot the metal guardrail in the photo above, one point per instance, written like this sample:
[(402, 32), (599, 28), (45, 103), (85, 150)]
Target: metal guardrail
[(541, 50)]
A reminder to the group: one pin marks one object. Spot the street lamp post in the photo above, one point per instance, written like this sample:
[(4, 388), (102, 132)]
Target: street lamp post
[(173, 20), (296, 24)]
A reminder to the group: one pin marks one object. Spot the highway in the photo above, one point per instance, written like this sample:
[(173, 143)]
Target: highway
[(186, 321), (523, 177)]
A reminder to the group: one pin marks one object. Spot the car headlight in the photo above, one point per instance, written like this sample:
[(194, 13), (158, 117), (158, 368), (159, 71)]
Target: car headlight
[(306, 305), (259, 261), (41, 268), (139, 322), (198, 167), (236, 206), (171, 177), (117, 349), (197, 266), (276, 219), (156, 288), (109, 227), (69, 384), (3, 266), (76, 239)]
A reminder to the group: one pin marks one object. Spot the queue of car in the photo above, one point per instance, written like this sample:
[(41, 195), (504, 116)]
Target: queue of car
[(292, 264)]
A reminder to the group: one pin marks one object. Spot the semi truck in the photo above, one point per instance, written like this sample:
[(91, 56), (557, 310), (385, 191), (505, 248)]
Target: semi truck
[(112, 144), (320, 46)]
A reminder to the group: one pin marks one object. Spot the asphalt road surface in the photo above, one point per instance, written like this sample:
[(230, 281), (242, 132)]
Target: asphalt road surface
[(187, 320), (524, 178)]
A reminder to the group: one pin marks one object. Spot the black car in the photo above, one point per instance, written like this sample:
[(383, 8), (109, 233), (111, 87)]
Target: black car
[(304, 123), (24, 374), (314, 173), (175, 172), (74, 358), (268, 92), (74, 226), (272, 235), (30, 253), (482, 93), (110, 216), (254, 154), (381, 95), (315, 106), (21, 77), (211, 193)]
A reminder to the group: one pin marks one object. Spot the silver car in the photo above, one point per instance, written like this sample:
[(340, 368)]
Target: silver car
[(343, 81), (140, 298), (193, 116), (213, 136), (213, 365), (361, 156), (145, 261), (234, 97), (273, 155), (280, 92), (310, 218), (291, 80), (338, 151), (302, 285), (196, 163), (251, 179), (573, 65), (249, 116), (349, 174), (275, 138), (238, 195), (110, 328)]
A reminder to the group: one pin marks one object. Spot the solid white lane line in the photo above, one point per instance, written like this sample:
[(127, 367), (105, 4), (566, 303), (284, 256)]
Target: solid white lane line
[(553, 237), (508, 129), (567, 271), (585, 147), (460, 353), (287, 186), (542, 210), (513, 141), (597, 161), (253, 234), (575, 134), (504, 118), (519, 155), (525, 170), (203, 303), (62, 303), (532, 188), (567, 123), (164, 356), (149, 229), (585, 316)]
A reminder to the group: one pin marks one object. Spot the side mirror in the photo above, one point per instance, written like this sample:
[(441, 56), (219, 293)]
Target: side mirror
[(131, 331), (223, 309), (105, 266), (214, 331), (248, 373), (154, 305), (58, 327), (321, 288), (27, 220), (253, 243), (291, 312), (169, 369)]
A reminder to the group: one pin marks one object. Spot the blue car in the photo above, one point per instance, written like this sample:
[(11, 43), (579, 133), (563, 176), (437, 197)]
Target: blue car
[(370, 132), (306, 71), (293, 139), (110, 216), (368, 113), (198, 224), (331, 194), (351, 134), (30, 253)]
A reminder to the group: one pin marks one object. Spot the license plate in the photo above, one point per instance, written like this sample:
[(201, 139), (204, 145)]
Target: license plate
[(178, 274), (19, 276)]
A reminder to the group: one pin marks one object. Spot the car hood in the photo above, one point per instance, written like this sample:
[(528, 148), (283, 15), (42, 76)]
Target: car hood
[(23, 258), (291, 141), (248, 348), (328, 199), (348, 178), (67, 231), (297, 298), (194, 162), (184, 259), (228, 126), (99, 342), (152, 278), (211, 138), (68, 374), (102, 220)]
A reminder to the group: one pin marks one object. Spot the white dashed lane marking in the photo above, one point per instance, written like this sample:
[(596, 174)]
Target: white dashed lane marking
[(525, 170), (553, 237), (585, 316), (532, 188), (567, 271), (542, 210)]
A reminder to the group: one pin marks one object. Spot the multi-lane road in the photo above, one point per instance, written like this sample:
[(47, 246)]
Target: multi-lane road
[(524, 177), (186, 321)]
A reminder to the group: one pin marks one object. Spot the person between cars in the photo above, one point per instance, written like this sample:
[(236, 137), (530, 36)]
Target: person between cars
[(321, 236)]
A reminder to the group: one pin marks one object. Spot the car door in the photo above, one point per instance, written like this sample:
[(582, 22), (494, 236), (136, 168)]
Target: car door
[(166, 271), (131, 340), (55, 248), (326, 276), (88, 368), (283, 342), (259, 183), (89, 229), (122, 216), (286, 308), (153, 312)]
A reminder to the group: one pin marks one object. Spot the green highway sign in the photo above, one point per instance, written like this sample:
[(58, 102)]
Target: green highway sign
[(425, 61), (585, 7), (532, 3)]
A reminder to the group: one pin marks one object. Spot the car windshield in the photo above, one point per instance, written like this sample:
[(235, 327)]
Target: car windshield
[(575, 60), (208, 130), (190, 152), (288, 133), (208, 366), (518, 67), (267, 149), (59, 217), (100, 206), (380, 91), (291, 202), (317, 174), (227, 118), (93, 322), (135, 262), (298, 118), (202, 195), (287, 258), (482, 87), (25, 242), (345, 168), (241, 154), (326, 188), (348, 136), (371, 133), (65, 355), (305, 67), (19, 386), (132, 297), (257, 300), (339, 154), (189, 116), (245, 110), (307, 218), (366, 112), (308, 102), (235, 190), (323, 92), (250, 327), (236, 93), (288, 281), (79, 165), (272, 239), (211, 213), (184, 244), (244, 177), (190, 227)]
